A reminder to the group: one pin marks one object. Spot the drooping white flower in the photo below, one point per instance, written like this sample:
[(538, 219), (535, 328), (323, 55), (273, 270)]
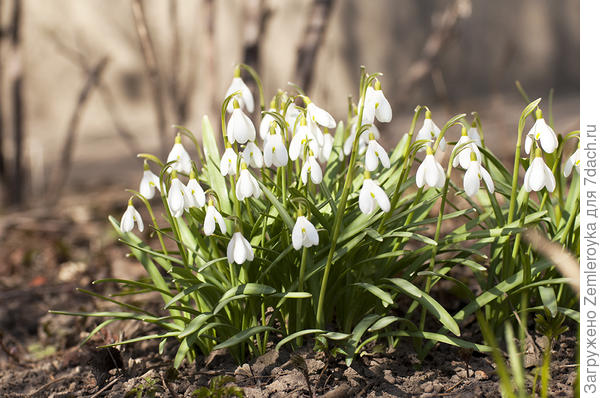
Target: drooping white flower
[(228, 164), (430, 131), (538, 175), (572, 161), (319, 115), (371, 195), (239, 249), (292, 113), (212, 218), (149, 183), (178, 198), (240, 128), (376, 105), (195, 192), (311, 166), (252, 155), (362, 141), (246, 185), (302, 138), (430, 172), (327, 147), (473, 134), (244, 98), (183, 162), (375, 154), (304, 234), (266, 123), (474, 173), (275, 151), (130, 218), (543, 133), (465, 147)]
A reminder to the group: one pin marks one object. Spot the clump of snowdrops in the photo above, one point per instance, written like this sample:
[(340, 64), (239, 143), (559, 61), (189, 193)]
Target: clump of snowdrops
[(307, 227)]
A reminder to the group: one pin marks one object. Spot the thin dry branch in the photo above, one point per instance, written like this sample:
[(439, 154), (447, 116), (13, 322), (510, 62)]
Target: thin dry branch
[(209, 54), (15, 73), (141, 25), (314, 32), (63, 168), (173, 88)]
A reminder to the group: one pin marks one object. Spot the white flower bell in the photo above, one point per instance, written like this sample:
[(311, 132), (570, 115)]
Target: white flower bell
[(239, 249), (195, 192), (371, 195), (149, 183), (318, 115), (572, 161), (240, 128), (430, 172), (228, 165), (376, 105), (178, 197), (302, 138), (244, 97), (183, 162), (473, 134), (246, 185), (130, 218), (327, 147), (474, 173), (311, 166), (375, 154), (538, 175), (267, 121), (252, 155), (463, 157), (212, 218), (362, 141), (543, 133), (430, 131), (275, 151), (304, 234)]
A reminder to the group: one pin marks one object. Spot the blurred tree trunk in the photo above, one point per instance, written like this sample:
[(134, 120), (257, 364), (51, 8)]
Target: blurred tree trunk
[(312, 38)]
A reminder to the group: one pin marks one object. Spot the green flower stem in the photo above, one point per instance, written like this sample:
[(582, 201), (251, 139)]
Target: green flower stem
[(300, 289), (403, 170), (513, 193), (261, 95), (341, 209), (152, 217), (249, 209)]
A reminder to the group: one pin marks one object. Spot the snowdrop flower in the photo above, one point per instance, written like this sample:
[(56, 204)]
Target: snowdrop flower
[(178, 197), (473, 134), (304, 234), (311, 166), (246, 185), (538, 175), (150, 182), (130, 218), (252, 155), (212, 218), (430, 131), (543, 133), (195, 192), (239, 249), (362, 141), (327, 147), (572, 161), (240, 127), (183, 162), (244, 98), (228, 161), (267, 121), (474, 173), (318, 115), (430, 172), (291, 115), (463, 157), (275, 151), (376, 105), (302, 138), (375, 154), (372, 195)]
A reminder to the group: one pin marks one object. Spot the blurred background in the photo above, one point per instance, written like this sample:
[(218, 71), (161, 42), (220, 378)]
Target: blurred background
[(85, 85)]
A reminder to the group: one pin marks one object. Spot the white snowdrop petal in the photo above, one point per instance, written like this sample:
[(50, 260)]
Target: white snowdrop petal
[(420, 177), (371, 158), (382, 200), (383, 109), (230, 248), (487, 178), (209, 222), (537, 175), (365, 200), (138, 219), (127, 222), (471, 180), (297, 235), (549, 180)]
